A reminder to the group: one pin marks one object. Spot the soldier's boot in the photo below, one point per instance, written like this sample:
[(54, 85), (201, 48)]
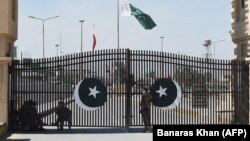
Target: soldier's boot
[(149, 129)]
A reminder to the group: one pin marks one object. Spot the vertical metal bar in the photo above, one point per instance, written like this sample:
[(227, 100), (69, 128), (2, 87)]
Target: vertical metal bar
[(80, 114), (96, 75), (14, 95), (76, 81), (67, 95), (110, 81), (34, 89), (134, 100), (211, 98), (104, 71), (170, 67), (227, 104), (226, 109), (50, 90), (100, 76), (138, 78), (52, 70), (183, 58), (43, 90), (110, 70), (228, 97), (108, 108), (57, 85), (11, 106), (246, 90), (187, 102), (120, 90), (219, 93), (46, 87), (128, 89)]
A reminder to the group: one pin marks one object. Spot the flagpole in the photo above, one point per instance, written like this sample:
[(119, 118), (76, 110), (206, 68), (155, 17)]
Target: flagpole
[(118, 25), (93, 66), (93, 34), (118, 41)]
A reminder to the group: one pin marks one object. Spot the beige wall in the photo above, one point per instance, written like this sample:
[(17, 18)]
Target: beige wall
[(7, 25), (240, 29), (8, 34), (3, 93), (4, 51)]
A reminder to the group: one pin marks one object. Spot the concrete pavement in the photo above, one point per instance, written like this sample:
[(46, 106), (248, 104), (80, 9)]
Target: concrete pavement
[(83, 134)]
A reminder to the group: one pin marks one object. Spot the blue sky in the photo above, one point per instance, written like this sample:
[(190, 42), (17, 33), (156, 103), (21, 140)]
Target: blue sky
[(184, 24)]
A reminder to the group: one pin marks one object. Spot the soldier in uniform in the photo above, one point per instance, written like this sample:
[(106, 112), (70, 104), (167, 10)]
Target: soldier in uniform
[(145, 109), (29, 118), (64, 114)]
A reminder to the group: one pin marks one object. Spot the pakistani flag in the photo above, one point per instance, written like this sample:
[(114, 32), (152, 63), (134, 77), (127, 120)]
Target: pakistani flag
[(126, 9)]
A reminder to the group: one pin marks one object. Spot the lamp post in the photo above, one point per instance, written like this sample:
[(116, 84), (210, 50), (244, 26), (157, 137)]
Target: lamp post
[(56, 49), (162, 37), (214, 42), (207, 45), (43, 21), (81, 65), (162, 64), (81, 21)]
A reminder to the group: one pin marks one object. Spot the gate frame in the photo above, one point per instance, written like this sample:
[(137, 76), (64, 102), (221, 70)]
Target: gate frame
[(238, 110)]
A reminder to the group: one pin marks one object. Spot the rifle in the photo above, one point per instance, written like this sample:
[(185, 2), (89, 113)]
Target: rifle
[(52, 110)]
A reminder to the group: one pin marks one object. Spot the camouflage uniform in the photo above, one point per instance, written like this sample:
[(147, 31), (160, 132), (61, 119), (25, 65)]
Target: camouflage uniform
[(146, 108)]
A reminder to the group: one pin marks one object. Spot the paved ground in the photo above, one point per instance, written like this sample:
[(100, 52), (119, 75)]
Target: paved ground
[(107, 134)]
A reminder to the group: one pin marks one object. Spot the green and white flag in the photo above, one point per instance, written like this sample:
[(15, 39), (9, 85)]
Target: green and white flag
[(127, 9)]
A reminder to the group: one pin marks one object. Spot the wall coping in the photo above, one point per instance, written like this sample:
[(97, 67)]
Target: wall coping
[(5, 60)]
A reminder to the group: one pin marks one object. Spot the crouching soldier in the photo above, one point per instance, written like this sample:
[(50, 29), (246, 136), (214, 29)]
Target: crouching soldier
[(63, 114), (146, 108)]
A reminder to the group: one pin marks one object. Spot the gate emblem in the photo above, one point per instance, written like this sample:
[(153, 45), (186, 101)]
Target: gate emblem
[(166, 94), (90, 94)]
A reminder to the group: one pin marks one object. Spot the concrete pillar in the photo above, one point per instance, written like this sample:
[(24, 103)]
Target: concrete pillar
[(8, 35), (5, 59)]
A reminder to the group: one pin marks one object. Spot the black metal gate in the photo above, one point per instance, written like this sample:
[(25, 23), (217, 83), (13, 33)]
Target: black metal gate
[(213, 91)]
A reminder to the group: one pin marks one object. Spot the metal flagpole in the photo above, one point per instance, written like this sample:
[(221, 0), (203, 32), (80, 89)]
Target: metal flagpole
[(93, 34), (61, 44), (118, 25), (118, 40), (81, 60)]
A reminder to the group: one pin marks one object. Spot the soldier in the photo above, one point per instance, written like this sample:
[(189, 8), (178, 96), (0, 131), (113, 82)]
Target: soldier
[(64, 114), (145, 109), (29, 117)]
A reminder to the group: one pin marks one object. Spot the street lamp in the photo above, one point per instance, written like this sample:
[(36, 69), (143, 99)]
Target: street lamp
[(43, 20), (81, 65), (56, 49), (214, 42), (207, 44), (81, 21), (162, 37)]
